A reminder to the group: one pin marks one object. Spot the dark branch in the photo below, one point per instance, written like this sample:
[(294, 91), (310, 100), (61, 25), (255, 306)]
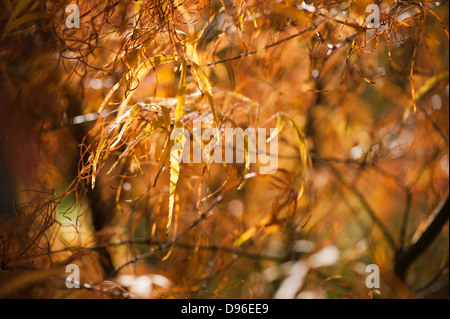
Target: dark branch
[(407, 255)]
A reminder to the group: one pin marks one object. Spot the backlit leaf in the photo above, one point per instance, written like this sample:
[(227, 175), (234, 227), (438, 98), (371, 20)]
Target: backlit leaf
[(132, 114), (140, 71), (303, 149), (175, 154)]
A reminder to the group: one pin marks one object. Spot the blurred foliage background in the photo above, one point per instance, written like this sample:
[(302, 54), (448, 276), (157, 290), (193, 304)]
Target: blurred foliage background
[(87, 178)]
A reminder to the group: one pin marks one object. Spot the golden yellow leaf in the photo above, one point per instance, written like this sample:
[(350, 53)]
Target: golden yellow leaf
[(206, 85), (175, 153), (132, 114), (424, 89), (140, 71), (303, 149), (245, 236), (281, 123)]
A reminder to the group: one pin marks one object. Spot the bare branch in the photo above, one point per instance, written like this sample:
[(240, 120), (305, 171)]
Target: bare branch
[(407, 255)]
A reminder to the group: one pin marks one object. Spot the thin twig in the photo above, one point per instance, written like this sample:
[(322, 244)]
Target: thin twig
[(365, 205), (161, 246), (243, 55)]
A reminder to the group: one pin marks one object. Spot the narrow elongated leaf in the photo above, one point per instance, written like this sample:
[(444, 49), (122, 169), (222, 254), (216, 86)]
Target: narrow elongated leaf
[(249, 234), (24, 19), (101, 146), (146, 132), (247, 165), (205, 27), (155, 124), (18, 8), (303, 148), (206, 85), (132, 114), (424, 89), (246, 154), (97, 157), (281, 123), (175, 153), (179, 112), (140, 71), (264, 227)]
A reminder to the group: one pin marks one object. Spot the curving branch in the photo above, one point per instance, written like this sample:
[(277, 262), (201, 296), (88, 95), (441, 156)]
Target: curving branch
[(408, 254)]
